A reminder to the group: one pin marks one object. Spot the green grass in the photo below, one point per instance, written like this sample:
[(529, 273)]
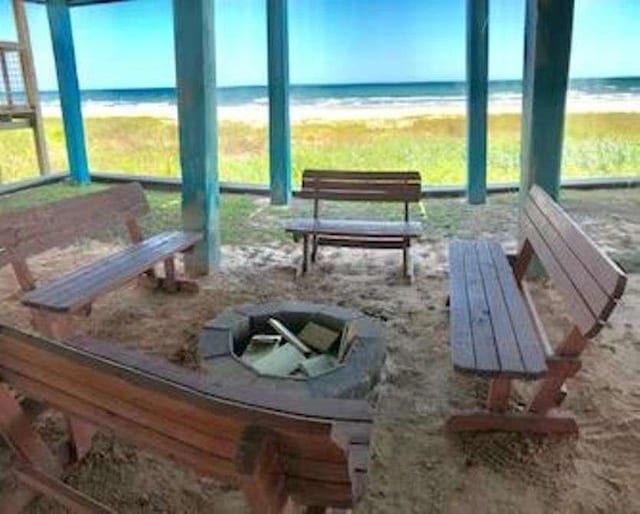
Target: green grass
[(238, 226), (251, 220), (602, 144)]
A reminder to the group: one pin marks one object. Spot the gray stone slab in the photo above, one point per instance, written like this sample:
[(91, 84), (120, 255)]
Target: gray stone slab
[(215, 342)]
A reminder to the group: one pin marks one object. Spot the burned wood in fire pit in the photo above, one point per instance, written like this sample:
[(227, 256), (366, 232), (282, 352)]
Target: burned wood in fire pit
[(302, 348), (311, 352)]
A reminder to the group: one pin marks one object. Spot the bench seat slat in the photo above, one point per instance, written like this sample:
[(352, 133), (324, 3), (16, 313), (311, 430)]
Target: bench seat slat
[(383, 229), (529, 343), (488, 316), (76, 289), (479, 314), (462, 350), (505, 335)]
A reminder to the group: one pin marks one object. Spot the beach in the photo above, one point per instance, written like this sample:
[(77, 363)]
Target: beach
[(380, 126), (256, 111)]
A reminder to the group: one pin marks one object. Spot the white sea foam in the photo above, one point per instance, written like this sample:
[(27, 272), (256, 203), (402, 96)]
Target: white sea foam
[(354, 107)]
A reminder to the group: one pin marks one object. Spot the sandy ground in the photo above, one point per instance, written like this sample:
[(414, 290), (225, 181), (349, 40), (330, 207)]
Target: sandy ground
[(256, 113), (415, 466)]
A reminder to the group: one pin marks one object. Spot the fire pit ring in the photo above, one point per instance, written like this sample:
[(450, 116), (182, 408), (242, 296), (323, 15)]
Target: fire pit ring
[(224, 338)]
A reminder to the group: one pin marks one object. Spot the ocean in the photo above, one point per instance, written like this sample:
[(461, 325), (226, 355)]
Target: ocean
[(584, 94)]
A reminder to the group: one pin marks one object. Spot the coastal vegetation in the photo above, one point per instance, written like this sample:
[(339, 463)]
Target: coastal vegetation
[(596, 145)]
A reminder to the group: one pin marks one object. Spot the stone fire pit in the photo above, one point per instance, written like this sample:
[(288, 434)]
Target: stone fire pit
[(224, 339)]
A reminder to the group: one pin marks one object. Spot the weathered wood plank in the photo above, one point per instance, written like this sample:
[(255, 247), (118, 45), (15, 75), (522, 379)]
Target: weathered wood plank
[(488, 316), (580, 311), (356, 196), (181, 418), (589, 290), (512, 422), (529, 343), (78, 288), (355, 227), (57, 224), (117, 364), (462, 348), (504, 327), (362, 175), (31, 85), (606, 272), (481, 328)]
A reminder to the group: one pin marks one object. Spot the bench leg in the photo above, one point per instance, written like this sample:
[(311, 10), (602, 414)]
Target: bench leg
[(17, 500), (314, 250), (28, 447), (51, 324), (170, 283), (407, 265), (482, 421), (260, 472), (495, 418), (305, 254), (499, 392), (81, 434)]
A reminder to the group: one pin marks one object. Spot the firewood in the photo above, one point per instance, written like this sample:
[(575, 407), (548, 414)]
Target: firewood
[(318, 365), (281, 361), (289, 336), (318, 337), (349, 333)]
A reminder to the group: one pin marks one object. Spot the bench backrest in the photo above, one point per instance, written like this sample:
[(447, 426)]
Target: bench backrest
[(590, 282), (185, 415), (27, 232), (367, 186)]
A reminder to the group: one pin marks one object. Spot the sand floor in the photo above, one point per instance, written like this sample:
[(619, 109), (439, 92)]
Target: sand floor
[(415, 466)]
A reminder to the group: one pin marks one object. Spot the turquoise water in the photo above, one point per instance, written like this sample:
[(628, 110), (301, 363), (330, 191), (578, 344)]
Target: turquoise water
[(350, 95)]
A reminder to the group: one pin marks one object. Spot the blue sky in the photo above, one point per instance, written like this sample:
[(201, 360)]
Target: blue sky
[(331, 41)]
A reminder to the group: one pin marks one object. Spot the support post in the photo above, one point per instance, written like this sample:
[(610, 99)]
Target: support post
[(477, 99), (279, 125), (196, 83), (31, 86), (69, 88), (549, 24)]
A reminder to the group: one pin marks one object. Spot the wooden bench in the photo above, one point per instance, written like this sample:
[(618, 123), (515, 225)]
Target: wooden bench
[(278, 450), (496, 331), (32, 231), (317, 185)]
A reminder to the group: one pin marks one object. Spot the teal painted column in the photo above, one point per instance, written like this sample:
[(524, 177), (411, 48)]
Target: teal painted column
[(549, 24), (477, 102), (68, 86), (279, 126), (196, 82)]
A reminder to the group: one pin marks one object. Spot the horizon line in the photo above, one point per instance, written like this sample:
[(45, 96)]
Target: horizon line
[(355, 84)]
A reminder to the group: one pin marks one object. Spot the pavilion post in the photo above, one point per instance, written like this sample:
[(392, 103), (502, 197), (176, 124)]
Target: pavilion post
[(477, 98), (69, 88), (548, 30), (196, 83), (279, 123)]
